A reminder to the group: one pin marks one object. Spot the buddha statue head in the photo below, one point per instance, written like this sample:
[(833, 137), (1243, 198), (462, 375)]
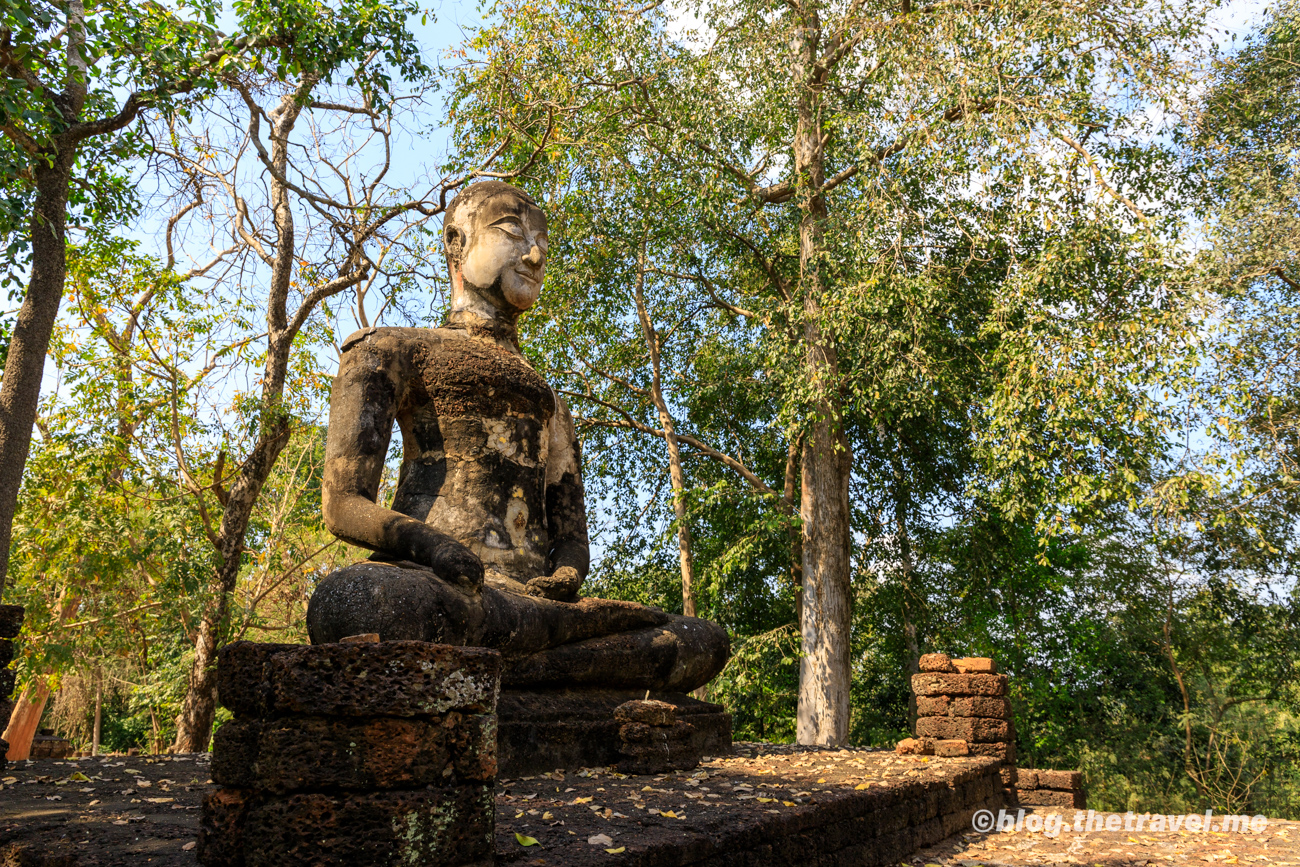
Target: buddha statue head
[(494, 235)]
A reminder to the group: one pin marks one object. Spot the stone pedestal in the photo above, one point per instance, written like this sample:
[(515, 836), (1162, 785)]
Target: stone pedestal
[(11, 620), (366, 753), (542, 730)]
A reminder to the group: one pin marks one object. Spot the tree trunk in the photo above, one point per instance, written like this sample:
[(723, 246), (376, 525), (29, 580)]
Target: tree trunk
[(675, 475), (794, 536), (194, 724), (27, 713), (823, 716), (901, 496), (24, 368), (99, 716), (198, 710), (25, 719)]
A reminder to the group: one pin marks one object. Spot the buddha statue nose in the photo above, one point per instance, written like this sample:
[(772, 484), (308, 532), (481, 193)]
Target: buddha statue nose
[(534, 257)]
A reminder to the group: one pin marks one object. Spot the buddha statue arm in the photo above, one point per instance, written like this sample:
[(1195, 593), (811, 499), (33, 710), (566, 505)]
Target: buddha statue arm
[(566, 513), (363, 404)]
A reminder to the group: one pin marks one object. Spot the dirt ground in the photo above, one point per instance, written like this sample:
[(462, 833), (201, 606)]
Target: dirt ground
[(111, 810), (144, 810)]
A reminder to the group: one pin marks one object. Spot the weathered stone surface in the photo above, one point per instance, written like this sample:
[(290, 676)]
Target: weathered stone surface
[(221, 829), (657, 756), (951, 748), (650, 712), (314, 753), (1048, 798), (544, 730), (936, 662), (1010, 774), (1063, 780), (959, 684), (393, 678), (644, 733), (432, 827), (915, 747), (973, 729), (979, 705), (975, 665), (1003, 752), (11, 620), (429, 827), (1025, 778)]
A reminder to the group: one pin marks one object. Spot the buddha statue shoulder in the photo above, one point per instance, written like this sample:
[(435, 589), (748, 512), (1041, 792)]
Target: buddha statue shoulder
[(485, 542)]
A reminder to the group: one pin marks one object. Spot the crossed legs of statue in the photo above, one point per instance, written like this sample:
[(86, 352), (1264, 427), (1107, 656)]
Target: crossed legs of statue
[(544, 643)]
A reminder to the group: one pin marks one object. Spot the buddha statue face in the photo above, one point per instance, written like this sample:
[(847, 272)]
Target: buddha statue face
[(496, 246)]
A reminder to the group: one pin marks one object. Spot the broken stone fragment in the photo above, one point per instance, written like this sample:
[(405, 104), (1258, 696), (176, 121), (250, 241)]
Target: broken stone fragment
[(650, 712), (915, 747), (975, 665), (951, 748), (1067, 781), (1002, 752), (363, 638), (1049, 798), (937, 662)]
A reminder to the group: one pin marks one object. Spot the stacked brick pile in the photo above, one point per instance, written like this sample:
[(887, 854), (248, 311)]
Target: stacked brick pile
[(1035, 788), (962, 709), (11, 620), (653, 740), (353, 753)]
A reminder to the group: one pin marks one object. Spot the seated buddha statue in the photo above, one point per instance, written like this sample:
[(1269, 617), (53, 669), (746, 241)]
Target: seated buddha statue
[(485, 542)]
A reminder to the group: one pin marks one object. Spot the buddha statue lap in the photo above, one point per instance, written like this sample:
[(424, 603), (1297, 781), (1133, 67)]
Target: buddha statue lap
[(485, 543)]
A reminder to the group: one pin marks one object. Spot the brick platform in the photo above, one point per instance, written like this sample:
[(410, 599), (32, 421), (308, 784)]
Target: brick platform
[(768, 806), (365, 753)]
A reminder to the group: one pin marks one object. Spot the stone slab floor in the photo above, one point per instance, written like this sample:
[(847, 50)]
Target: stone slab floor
[(144, 810)]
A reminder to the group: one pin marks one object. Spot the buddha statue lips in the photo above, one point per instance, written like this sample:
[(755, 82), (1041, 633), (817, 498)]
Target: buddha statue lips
[(485, 542)]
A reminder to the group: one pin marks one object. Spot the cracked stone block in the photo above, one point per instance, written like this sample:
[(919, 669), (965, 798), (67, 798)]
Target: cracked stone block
[(391, 678), (972, 729), (959, 684), (979, 705), (308, 753)]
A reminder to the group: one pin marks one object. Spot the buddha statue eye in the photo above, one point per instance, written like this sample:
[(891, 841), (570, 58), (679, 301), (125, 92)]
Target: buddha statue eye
[(511, 227)]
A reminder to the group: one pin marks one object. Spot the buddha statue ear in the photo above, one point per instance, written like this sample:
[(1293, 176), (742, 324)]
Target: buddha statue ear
[(453, 240)]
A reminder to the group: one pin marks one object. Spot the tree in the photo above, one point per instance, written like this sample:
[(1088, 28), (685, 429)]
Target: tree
[(63, 69), (835, 159), (316, 130)]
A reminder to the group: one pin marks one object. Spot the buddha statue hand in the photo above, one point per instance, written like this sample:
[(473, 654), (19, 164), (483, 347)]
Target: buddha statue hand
[(450, 561), (562, 586)]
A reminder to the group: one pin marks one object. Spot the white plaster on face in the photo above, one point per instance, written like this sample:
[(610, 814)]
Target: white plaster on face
[(507, 242)]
